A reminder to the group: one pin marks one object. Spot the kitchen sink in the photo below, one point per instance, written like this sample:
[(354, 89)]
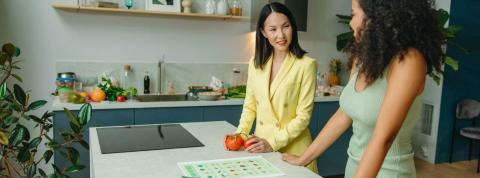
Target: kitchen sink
[(152, 98)]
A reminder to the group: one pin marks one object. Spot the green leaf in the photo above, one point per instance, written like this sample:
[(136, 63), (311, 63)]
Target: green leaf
[(47, 114), (3, 58), (435, 78), (344, 17), (32, 170), (52, 176), (42, 173), (9, 49), (442, 16), (451, 62), (343, 39), (73, 156), (3, 90), (47, 155), (23, 155), (20, 95), (72, 118), (75, 168), (11, 120), (75, 128), (37, 104), (17, 52), (85, 113), (54, 145), (84, 144), (34, 143), (19, 134), (16, 107), (36, 119), (56, 169), (458, 46), (17, 77)]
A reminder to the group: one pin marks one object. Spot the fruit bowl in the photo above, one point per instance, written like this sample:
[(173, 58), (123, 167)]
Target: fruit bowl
[(209, 96)]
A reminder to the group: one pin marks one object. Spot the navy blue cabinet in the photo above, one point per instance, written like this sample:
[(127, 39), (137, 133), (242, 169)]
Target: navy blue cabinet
[(99, 118), (231, 114), (168, 115), (333, 160)]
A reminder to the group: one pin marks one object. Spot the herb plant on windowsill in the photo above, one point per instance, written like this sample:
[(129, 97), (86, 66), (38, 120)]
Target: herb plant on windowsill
[(18, 144)]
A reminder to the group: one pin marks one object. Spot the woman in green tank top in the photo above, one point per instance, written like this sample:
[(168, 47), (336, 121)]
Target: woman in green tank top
[(396, 43)]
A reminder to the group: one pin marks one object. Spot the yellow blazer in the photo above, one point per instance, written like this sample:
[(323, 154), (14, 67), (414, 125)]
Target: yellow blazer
[(282, 110)]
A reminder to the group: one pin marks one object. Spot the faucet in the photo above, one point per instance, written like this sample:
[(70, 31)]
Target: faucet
[(160, 74)]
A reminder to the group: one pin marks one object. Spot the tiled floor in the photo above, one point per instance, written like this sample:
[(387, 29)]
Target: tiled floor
[(461, 169)]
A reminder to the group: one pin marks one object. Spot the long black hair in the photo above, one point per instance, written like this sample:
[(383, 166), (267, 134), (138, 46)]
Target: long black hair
[(391, 28), (263, 49)]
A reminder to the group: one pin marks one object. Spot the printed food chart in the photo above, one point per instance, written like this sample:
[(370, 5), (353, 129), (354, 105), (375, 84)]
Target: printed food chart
[(245, 167)]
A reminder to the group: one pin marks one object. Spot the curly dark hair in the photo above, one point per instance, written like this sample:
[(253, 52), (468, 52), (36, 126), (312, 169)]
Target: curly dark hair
[(391, 28)]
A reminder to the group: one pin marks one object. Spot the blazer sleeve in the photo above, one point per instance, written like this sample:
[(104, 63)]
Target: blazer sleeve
[(249, 111), (303, 111)]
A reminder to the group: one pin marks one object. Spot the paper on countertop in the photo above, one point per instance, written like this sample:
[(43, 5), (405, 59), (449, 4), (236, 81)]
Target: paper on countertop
[(243, 167)]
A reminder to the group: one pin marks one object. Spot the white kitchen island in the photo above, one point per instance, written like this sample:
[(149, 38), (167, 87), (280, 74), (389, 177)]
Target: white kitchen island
[(163, 163)]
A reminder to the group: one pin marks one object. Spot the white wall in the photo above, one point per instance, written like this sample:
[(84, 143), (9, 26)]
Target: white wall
[(46, 35), (425, 146)]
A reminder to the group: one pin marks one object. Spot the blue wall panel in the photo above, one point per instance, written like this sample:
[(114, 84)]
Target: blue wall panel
[(461, 84)]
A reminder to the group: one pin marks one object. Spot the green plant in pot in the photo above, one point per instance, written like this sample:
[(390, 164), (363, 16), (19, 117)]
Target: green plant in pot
[(19, 146), (449, 32)]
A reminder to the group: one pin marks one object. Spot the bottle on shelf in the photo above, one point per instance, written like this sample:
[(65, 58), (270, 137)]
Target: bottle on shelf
[(126, 76), (236, 8), (222, 7), (146, 83)]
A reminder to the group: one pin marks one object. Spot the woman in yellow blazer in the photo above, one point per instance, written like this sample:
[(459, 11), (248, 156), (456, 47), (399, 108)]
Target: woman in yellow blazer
[(280, 87)]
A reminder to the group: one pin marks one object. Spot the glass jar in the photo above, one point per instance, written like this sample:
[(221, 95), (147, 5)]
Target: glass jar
[(222, 7), (210, 7), (236, 8)]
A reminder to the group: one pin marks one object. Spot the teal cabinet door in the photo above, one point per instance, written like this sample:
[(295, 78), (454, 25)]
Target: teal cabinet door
[(168, 115), (313, 126), (332, 161), (231, 114), (99, 118)]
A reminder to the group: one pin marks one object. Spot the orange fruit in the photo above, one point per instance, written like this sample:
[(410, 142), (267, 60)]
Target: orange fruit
[(97, 95), (333, 80)]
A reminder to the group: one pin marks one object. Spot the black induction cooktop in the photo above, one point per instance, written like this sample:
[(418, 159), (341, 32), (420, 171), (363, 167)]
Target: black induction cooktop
[(144, 138)]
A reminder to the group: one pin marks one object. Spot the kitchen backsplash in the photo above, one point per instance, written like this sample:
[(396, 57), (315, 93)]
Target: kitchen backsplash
[(181, 75)]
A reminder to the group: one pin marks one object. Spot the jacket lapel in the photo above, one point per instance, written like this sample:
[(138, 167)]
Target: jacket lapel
[(286, 66), (266, 86)]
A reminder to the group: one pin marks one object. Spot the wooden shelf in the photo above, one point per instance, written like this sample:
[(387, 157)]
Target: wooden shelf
[(75, 8)]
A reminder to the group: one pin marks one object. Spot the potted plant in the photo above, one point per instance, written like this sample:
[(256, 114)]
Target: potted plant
[(449, 32), (18, 144)]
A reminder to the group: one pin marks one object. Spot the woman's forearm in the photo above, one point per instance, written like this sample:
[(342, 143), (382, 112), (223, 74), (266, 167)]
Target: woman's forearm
[(334, 128)]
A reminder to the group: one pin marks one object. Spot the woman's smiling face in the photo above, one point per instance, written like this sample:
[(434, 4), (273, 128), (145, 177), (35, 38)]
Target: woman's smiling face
[(278, 30)]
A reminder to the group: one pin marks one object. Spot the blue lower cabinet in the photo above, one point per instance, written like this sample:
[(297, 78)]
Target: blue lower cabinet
[(313, 126), (99, 118), (332, 161), (168, 115), (231, 114)]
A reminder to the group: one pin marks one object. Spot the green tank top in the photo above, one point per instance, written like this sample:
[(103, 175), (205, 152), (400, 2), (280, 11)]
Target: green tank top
[(363, 108)]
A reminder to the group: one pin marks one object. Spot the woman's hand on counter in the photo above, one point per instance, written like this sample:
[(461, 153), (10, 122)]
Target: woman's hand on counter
[(258, 145), (292, 159)]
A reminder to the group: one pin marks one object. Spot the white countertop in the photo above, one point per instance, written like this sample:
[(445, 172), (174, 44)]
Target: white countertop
[(58, 106), (163, 163)]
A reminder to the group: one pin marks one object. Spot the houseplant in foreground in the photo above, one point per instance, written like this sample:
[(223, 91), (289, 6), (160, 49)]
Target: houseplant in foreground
[(19, 145)]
